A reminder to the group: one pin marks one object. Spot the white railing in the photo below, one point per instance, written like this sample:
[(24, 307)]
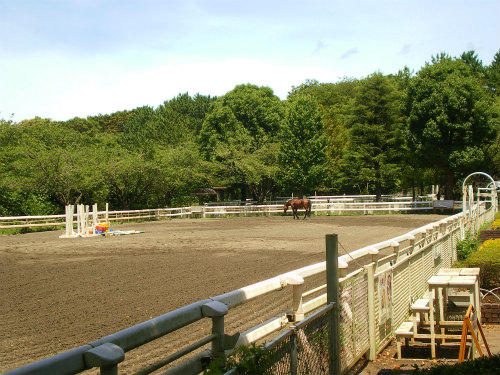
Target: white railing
[(340, 204), (116, 216), (216, 211), (8, 222)]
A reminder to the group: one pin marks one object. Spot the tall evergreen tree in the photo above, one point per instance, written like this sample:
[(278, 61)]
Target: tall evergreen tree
[(374, 151)]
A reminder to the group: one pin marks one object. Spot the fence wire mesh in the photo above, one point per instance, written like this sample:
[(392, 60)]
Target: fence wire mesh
[(303, 349), (353, 319)]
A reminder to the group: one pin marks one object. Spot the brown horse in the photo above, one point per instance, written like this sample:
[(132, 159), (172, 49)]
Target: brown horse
[(295, 204)]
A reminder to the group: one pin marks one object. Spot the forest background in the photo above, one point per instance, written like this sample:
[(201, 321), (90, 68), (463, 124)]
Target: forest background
[(380, 134)]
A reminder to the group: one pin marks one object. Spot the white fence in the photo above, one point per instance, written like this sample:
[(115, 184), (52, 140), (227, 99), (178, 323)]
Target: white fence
[(334, 205), (377, 297)]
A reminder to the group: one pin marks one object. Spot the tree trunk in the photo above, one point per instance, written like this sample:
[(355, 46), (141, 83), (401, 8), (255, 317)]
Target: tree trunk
[(448, 187), (243, 194)]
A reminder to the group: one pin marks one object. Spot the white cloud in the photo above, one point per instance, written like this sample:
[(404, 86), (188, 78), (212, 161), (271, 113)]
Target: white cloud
[(350, 52)]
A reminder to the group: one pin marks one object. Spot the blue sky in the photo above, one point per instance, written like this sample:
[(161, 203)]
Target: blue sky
[(65, 58)]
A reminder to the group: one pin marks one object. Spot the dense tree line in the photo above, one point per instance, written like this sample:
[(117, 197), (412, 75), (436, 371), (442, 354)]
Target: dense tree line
[(376, 135)]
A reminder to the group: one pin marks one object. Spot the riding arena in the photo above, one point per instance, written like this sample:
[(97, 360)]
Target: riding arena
[(59, 294)]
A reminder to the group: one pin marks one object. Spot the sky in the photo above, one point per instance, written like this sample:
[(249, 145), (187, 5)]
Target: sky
[(61, 59)]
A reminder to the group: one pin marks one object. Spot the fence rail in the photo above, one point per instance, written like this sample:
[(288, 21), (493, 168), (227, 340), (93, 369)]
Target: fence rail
[(373, 298), (320, 205)]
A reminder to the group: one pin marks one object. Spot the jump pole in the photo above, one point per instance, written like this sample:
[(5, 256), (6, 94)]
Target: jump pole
[(69, 211)]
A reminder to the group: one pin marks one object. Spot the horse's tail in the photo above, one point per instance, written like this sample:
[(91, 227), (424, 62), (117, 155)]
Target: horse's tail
[(309, 206)]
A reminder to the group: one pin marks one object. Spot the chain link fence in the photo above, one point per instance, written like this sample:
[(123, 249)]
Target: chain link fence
[(303, 349)]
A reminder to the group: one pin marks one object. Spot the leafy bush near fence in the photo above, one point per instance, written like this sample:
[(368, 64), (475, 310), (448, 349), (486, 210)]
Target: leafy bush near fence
[(482, 366), (244, 360), (487, 257), (468, 246)]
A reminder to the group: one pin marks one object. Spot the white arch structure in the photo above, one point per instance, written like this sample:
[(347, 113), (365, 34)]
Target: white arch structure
[(468, 193)]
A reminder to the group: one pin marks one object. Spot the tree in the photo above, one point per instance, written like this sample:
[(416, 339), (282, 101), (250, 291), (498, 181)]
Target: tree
[(335, 104), (238, 136), (493, 84), (472, 60), (492, 73), (449, 123), (130, 177), (375, 140), (111, 123), (181, 170), (56, 161), (303, 144), (190, 111)]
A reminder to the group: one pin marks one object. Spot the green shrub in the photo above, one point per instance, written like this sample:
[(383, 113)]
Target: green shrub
[(496, 222), (482, 366), (245, 360), (487, 257), (467, 246)]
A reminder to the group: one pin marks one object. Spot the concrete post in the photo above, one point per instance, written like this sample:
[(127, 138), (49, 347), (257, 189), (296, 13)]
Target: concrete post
[(216, 310), (297, 283), (106, 357), (395, 250)]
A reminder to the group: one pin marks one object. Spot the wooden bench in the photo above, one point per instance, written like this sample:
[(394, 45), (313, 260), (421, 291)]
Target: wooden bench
[(405, 331)]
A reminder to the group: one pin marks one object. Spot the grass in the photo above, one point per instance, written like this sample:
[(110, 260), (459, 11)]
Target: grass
[(13, 231)]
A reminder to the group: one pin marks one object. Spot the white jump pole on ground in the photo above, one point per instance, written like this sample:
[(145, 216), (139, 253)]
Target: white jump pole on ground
[(85, 223), (69, 211), (94, 217), (78, 219)]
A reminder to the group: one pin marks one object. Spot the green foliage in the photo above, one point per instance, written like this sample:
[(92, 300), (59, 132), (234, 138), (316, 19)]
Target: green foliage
[(238, 137), (112, 123), (335, 105), (479, 366), (303, 143), (449, 119), (344, 137), (245, 359), (373, 157), (487, 257), (468, 246)]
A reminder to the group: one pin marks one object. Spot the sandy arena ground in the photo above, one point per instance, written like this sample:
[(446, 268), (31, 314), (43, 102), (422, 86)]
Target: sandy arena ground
[(58, 294)]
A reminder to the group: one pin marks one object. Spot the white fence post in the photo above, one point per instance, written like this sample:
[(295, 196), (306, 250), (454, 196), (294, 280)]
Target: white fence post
[(372, 355), (69, 211), (94, 217), (298, 288)]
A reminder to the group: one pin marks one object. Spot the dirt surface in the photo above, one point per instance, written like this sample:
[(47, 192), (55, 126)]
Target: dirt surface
[(418, 354), (57, 294)]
